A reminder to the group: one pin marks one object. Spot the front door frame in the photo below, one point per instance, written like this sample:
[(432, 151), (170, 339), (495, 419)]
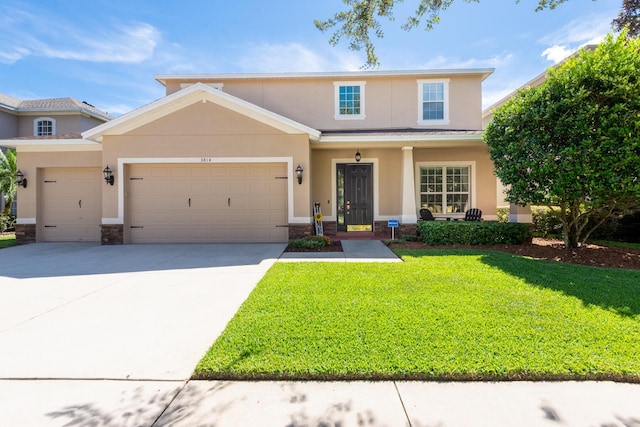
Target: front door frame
[(374, 161), (354, 203)]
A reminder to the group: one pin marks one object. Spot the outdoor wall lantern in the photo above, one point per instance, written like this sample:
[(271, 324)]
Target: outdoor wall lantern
[(108, 175), (299, 171), (358, 156), (20, 179)]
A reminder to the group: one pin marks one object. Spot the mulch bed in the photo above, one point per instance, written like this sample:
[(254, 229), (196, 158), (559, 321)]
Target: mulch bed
[(336, 246), (554, 250)]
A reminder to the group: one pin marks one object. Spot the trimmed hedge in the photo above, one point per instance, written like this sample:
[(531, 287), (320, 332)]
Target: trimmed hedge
[(310, 242), (474, 233)]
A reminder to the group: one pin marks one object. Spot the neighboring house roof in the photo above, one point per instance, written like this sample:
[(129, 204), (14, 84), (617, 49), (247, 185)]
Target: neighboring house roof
[(51, 105), (9, 101), (195, 93), (484, 72)]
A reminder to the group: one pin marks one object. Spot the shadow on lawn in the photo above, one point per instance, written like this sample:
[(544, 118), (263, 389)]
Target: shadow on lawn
[(607, 288)]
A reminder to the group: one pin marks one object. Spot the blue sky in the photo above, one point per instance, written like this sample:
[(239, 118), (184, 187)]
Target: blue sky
[(106, 52)]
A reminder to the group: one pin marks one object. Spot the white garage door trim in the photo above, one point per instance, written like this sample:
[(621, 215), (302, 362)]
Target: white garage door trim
[(205, 160)]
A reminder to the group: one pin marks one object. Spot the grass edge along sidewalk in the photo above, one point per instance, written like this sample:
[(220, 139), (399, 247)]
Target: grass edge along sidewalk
[(440, 315), (7, 240)]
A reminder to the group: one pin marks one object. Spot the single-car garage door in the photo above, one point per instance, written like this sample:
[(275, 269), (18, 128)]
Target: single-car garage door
[(71, 204), (180, 203)]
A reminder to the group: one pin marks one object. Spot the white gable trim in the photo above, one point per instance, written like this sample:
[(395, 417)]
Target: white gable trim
[(198, 92)]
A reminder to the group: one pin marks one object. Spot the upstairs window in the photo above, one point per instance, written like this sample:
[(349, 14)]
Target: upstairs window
[(433, 102), (44, 126), (349, 100)]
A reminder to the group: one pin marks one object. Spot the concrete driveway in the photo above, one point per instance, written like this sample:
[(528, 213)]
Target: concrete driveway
[(120, 312), (76, 319)]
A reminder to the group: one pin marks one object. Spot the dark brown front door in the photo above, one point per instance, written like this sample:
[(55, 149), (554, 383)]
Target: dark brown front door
[(355, 197)]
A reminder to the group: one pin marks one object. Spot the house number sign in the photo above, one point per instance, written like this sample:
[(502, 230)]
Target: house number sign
[(206, 160)]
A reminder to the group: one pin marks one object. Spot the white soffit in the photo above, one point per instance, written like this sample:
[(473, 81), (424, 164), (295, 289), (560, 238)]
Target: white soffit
[(198, 92), (51, 145)]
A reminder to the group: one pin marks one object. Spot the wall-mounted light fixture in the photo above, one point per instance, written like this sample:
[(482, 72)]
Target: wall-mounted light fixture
[(358, 156), (108, 175), (20, 179), (299, 171)]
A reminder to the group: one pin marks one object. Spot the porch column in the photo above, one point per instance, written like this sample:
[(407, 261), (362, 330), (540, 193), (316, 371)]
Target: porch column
[(408, 188), (520, 214)]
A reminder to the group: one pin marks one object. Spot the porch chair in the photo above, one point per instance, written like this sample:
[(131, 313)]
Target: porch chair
[(426, 215), (473, 215)]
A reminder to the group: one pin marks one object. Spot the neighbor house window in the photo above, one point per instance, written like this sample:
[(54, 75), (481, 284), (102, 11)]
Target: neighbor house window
[(433, 102), (44, 126), (349, 100), (445, 189)]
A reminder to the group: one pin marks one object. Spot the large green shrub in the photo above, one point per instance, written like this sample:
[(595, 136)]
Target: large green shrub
[(546, 222), (474, 233)]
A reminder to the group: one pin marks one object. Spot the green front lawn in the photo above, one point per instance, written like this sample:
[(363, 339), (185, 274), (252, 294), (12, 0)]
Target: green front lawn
[(442, 314), (7, 240)]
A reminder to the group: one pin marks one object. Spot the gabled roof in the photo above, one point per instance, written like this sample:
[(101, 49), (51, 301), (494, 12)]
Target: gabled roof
[(51, 105), (197, 92)]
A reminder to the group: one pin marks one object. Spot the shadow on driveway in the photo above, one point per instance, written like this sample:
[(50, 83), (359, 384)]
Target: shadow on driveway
[(73, 259)]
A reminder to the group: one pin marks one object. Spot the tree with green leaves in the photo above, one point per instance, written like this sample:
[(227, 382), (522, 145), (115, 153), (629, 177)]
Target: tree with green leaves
[(629, 17), (573, 142), (361, 21), (8, 178)]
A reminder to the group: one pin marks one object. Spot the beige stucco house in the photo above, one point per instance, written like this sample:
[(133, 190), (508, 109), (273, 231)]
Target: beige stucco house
[(244, 157)]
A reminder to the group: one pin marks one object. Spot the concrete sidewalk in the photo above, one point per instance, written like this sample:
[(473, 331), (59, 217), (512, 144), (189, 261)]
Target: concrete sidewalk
[(111, 403)]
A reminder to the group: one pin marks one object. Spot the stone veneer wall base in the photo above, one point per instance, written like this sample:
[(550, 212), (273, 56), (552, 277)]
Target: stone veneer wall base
[(384, 232), (298, 231), (112, 234), (25, 233)]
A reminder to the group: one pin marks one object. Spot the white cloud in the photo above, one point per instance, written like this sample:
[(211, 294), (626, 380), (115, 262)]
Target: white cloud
[(128, 44), (294, 57), (576, 34), (23, 35), (557, 53), (446, 62)]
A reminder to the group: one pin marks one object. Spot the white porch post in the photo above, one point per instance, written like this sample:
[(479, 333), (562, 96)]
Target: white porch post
[(520, 214), (408, 188)]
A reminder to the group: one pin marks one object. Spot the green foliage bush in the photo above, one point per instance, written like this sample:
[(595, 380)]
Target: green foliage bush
[(621, 227), (474, 233), (7, 223), (546, 222), (503, 214), (310, 242)]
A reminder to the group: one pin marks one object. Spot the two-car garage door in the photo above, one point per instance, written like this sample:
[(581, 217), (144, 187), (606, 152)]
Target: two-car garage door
[(230, 202)]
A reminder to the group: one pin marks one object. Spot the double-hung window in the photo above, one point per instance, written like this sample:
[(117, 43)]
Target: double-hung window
[(445, 189), (349, 100), (44, 126), (433, 102)]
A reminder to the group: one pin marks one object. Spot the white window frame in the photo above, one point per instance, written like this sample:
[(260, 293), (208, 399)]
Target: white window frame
[(37, 121), (337, 86), (472, 185), (445, 118)]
